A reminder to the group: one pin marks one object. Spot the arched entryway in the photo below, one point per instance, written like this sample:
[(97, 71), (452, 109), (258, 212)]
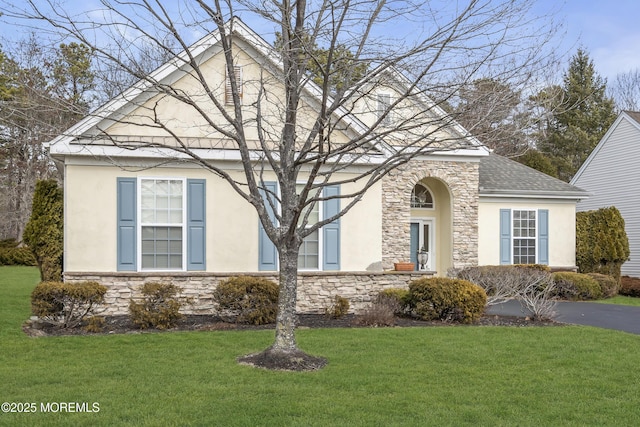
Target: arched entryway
[(430, 226)]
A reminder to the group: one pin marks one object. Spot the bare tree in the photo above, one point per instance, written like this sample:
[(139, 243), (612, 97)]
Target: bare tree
[(298, 125), (626, 90)]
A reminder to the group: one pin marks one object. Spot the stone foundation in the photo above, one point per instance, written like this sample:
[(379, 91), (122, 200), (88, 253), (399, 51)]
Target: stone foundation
[(316, 290)]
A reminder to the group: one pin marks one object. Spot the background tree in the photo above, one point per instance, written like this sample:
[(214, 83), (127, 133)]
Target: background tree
[(414, 45), (494, 113), (42, 92), (43, 233), (579, 115), (625, 90)]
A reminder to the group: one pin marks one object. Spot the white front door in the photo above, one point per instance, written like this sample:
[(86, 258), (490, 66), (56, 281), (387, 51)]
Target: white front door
[(423, 240)]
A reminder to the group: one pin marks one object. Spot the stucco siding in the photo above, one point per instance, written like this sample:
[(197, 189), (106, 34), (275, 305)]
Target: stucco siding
[(231, 226), (612, 176), (562, 235)]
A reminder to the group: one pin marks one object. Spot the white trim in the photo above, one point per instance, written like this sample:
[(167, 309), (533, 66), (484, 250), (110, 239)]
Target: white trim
[(139, 224), (535, 238), (431, 221)]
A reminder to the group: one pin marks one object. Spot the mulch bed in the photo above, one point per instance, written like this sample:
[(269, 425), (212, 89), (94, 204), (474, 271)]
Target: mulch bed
[(122, 324)]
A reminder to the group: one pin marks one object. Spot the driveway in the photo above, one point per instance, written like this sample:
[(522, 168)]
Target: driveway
[(609, 316)]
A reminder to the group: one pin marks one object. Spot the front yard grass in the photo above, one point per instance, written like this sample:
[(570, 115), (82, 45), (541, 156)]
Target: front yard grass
[(454, 376), (621, 300)]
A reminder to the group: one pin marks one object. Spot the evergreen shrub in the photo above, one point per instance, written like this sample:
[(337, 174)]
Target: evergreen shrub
[(608, 285), (451, 300), (576, 286), (159, 308), (66, 304), (247, 299), (602, 245), (630, 286), (43, 232)]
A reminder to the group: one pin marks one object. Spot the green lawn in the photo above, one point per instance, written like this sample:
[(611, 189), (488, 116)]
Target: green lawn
[(621, 300), (486, 376)]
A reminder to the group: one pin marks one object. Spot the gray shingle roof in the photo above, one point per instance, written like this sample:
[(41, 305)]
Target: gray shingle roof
[(502, 176)]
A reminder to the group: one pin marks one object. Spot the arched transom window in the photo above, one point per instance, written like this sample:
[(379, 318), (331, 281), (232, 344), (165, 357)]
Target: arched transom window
[(421, 197)]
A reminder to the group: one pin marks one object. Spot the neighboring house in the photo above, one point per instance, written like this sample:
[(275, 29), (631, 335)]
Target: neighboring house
[(133, 215), (611, 174)]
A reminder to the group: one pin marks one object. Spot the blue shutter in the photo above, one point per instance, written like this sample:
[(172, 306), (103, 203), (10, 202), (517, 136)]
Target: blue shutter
[(196, 224), (126, 195), (505, 236), (543, 236), (331, 231), (267, 253)]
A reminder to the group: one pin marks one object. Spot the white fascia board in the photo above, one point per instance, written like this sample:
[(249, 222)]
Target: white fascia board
[(533, 196), (168, 154)]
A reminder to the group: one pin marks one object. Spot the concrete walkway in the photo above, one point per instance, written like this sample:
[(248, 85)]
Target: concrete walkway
[(608, 316)]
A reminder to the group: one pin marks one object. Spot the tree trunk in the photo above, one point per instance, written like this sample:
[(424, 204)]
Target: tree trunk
[(286, 319), (284, 353)]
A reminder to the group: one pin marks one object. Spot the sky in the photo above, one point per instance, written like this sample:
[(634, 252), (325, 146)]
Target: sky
[(607, 29)]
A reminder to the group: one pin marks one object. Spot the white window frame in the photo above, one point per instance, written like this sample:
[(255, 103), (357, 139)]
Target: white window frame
[(433, 199), (140, 224), (534, 238), (320, 237), (431, 221)]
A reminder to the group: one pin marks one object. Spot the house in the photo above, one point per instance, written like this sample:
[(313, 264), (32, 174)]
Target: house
[(136, 212), (611, 175)]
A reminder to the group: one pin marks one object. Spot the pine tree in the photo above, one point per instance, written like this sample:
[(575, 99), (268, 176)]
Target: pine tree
[(580, 115)]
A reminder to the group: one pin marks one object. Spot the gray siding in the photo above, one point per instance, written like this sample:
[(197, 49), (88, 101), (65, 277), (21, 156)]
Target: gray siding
[(613, 178)]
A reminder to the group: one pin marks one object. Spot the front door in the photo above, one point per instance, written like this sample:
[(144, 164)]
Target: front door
[(422, 239)]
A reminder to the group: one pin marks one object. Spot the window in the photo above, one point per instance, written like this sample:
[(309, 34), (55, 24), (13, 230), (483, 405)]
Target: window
[(228, 91), (309, 255), (162, 224), (421, 197), (321, 249), (524, 237), (384, 102)]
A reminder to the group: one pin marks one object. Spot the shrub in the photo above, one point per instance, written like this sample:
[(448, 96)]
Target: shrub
[(380, 313), (576, 286), (159, 308), (447, 299), (395, 298), (247, 299), (608, 285), (66, 304), (602, 245), (43, 232), (95, 324), (630, 286), (502, 282), (17, 256), (338, 308)]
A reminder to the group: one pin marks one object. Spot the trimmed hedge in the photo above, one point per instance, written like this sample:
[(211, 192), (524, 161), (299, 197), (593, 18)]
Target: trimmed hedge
[(247, 299), (576, 286), (66, 304), (338, 309), (17, 256), (608, 285), (602, 245), (630, 286), (451, 300)]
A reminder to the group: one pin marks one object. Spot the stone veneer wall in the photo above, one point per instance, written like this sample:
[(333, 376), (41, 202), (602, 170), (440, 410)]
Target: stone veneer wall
[(461, 178), (315, 290)]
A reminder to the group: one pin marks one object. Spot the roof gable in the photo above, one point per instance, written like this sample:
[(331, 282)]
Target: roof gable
[(631, 117)]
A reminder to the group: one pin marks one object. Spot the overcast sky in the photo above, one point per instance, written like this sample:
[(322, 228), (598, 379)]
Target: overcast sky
[(607, 29)]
